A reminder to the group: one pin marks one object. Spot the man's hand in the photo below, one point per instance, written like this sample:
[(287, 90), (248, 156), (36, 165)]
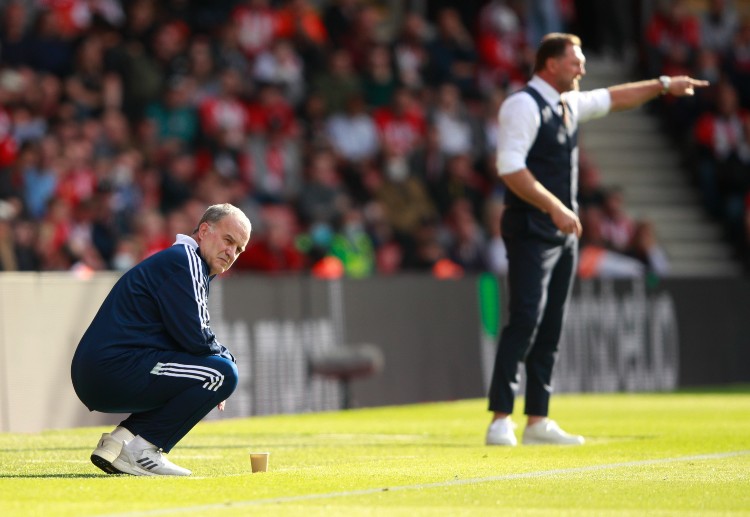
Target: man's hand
[(525, 185), (566, 220), (221, 405), (683, 85)]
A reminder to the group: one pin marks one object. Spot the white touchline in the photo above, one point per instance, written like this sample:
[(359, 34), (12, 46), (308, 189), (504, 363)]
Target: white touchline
[(440, 484)]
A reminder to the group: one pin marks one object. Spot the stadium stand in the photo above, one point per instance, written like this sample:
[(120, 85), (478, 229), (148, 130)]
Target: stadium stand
[(120, 120)]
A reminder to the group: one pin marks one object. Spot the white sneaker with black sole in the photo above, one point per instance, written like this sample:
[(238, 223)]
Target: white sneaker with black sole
[(108, 448), (547, 432), (146, 462)]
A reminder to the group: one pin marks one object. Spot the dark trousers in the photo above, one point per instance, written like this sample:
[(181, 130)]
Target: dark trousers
[(540, 276), (166, 392)]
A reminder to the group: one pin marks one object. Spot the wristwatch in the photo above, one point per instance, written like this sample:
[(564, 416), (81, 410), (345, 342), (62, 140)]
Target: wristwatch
[(665, 81)]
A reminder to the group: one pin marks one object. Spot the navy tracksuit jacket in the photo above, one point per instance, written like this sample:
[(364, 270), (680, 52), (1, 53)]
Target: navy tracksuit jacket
[(150, 350)]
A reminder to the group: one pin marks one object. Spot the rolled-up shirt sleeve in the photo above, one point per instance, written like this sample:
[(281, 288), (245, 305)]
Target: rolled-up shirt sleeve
[(518, 126), (590, 104)]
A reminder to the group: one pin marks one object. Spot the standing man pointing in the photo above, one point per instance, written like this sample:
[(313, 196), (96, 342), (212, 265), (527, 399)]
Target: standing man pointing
[(150, 350), (537, 158)]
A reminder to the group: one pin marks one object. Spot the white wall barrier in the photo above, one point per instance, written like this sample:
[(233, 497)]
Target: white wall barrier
[(42, 316), (619, 336)]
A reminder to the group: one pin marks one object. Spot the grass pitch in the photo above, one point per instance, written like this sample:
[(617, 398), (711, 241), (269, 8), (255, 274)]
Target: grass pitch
[(661, 454)]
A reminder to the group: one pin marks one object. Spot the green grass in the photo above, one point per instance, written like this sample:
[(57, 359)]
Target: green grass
[(665, 454)]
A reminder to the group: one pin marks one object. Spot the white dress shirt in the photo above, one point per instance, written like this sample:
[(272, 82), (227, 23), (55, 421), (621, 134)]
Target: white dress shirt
[(519, 120)]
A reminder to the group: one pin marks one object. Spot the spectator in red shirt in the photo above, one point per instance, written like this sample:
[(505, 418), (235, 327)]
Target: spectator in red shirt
[(226, 112), (271, 110), (151, 233), (501, 45), (273, 250), (401, 125), (672, 43), (738, 62), (672, 39), (77, 182), (723, 139), (8, 147)]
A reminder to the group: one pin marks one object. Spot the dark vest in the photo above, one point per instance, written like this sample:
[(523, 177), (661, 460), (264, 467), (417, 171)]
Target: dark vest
[(549, 160)]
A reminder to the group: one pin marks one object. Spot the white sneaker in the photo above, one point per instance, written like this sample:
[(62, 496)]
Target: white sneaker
[(147, 462), (105, 453), (548, 432), (501, 432)]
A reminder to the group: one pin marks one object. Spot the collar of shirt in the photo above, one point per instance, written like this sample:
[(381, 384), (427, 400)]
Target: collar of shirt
[(185, 239), (188, 240), (546, 90)]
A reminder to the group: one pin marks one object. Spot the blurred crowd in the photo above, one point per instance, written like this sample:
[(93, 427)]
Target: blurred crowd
[(714, 128), (342, 129)]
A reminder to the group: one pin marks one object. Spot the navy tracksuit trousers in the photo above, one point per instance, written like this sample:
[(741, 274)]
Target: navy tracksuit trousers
[(168, 393)]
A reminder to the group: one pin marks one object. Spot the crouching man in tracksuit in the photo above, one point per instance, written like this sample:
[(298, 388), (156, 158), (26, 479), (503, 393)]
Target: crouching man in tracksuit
[(150, 351)]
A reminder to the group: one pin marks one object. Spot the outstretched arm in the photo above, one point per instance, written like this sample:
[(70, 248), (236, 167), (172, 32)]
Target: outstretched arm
[(631, 95)]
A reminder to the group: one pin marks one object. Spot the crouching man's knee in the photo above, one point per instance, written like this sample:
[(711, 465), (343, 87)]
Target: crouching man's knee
[(227, 378)]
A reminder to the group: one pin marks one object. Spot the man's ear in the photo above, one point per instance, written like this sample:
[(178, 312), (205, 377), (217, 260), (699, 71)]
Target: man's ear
[(552, 64), (202, 229)]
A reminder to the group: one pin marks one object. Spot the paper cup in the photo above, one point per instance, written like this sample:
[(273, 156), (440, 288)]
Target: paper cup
[(259, 461)]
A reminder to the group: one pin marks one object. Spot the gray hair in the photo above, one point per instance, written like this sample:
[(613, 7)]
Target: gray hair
[(216, 213)]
